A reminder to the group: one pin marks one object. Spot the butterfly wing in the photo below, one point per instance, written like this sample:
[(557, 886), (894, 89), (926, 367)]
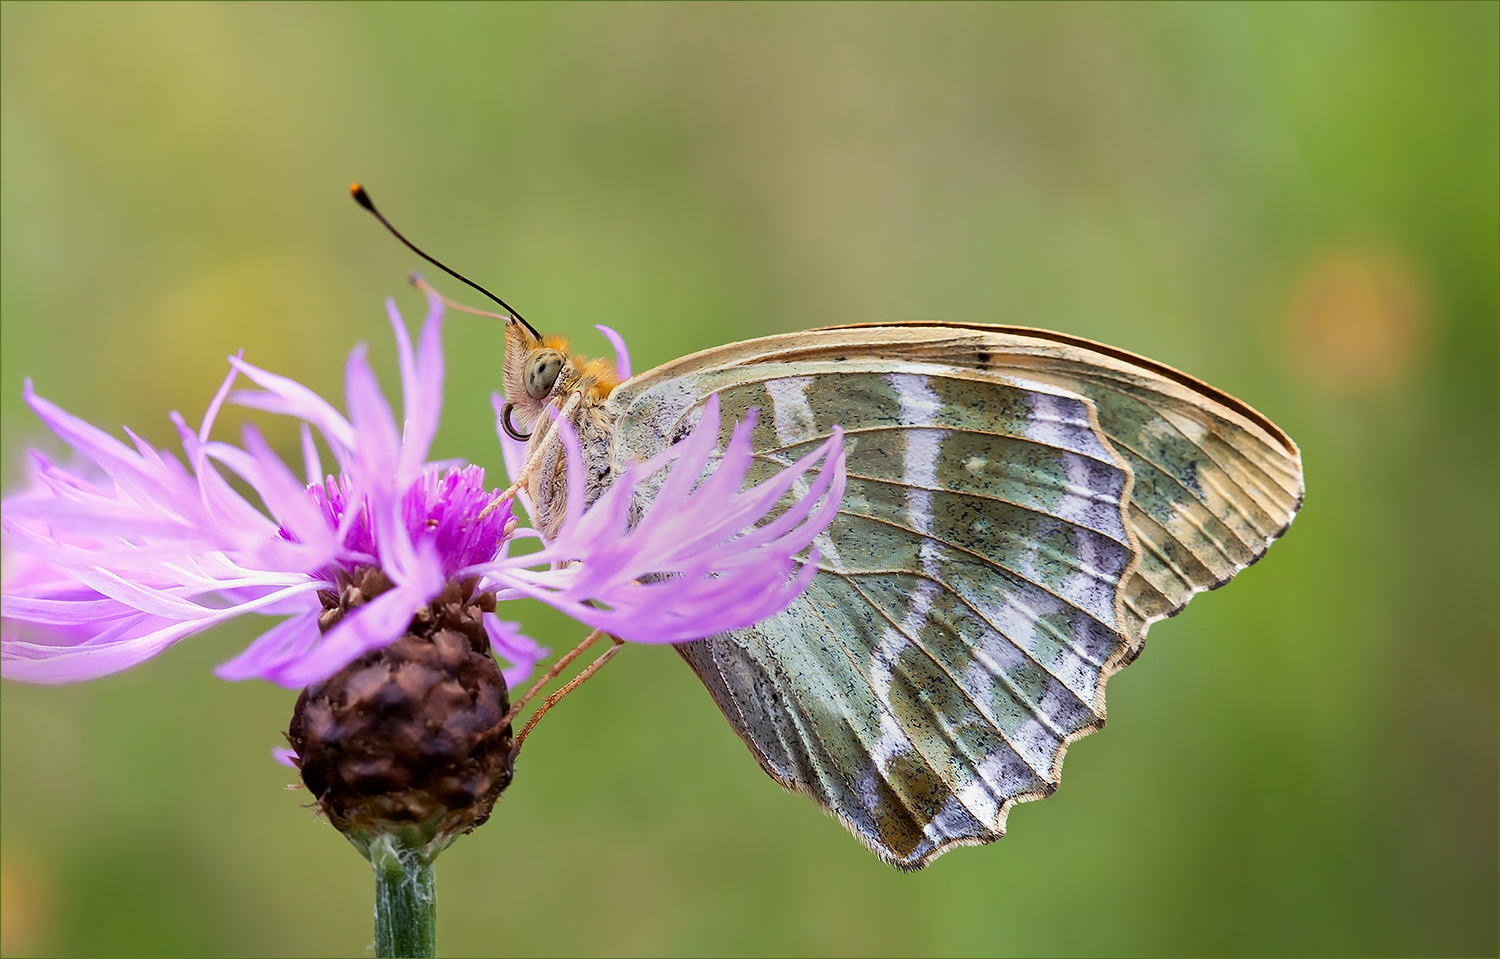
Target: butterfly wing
[(1216, 482), (1019, 509)]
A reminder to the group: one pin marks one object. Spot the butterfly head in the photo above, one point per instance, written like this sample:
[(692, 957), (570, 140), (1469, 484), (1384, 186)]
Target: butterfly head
[(542, 370), (538, 369)]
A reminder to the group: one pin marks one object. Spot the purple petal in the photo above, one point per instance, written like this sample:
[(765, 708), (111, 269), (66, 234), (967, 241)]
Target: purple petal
[(404, 358), (421, 384), (155, 602), (144, 481), (45, 663), (101, 517), (130, 640), (310, 458), (232, 515), (61, 612), (285, 642), (217, 402), (278, 487), (372, 626), (705, 558), (377, 458), (622, 355), (287, 757), (288, 397), (521, 651), (399, 556), (377, 445), (692, 455)]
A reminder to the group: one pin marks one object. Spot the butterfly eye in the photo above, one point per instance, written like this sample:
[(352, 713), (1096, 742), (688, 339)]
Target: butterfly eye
[(541, 373)]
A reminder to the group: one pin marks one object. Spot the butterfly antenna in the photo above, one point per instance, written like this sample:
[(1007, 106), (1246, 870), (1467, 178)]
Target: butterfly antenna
[(363, 199)]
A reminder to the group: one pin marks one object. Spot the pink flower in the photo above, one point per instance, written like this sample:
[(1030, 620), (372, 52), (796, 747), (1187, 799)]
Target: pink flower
[(105, 571)]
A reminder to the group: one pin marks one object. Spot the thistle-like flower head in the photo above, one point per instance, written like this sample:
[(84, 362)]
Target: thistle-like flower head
[(108, 567)]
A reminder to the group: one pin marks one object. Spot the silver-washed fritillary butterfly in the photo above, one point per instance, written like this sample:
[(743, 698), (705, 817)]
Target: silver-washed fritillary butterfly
[(1021, 506)]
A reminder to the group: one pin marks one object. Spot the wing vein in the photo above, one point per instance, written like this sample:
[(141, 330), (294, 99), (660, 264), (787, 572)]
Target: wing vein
[(1032, 707), (980, 557)]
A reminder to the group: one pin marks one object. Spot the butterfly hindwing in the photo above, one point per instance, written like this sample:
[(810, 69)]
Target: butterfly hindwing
[(1020, 506)]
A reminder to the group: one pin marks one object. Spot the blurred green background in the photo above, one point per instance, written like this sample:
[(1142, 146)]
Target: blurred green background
[(1297, 203)]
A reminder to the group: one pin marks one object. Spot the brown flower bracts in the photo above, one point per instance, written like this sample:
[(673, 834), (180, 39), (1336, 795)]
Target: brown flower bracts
[(407, 740)]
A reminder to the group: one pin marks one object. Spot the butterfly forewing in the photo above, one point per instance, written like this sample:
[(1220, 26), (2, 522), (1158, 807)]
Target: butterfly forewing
[(1214, 481), (1020, 507)]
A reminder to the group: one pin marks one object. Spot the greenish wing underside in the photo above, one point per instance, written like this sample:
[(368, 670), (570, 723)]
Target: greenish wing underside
[(1017, 513)]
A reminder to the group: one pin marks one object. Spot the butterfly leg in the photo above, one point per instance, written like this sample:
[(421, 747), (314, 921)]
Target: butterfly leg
[(550, 674), (572, 684)]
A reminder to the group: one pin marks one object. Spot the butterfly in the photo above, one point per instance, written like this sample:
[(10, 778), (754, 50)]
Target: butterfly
[(1021, 506)]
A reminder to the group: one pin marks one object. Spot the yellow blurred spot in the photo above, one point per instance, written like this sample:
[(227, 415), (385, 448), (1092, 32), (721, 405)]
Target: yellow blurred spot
[(1359, 322), (283, 308), (23, 907)]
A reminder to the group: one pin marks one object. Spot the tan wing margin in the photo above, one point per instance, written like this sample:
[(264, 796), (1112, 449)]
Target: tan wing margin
[(1135, 359)]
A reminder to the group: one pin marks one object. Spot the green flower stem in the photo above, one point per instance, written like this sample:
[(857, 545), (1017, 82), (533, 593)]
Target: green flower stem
[(405, 901)]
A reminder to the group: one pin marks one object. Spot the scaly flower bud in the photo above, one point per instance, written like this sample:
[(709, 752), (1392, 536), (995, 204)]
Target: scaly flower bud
[(407, 741)]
